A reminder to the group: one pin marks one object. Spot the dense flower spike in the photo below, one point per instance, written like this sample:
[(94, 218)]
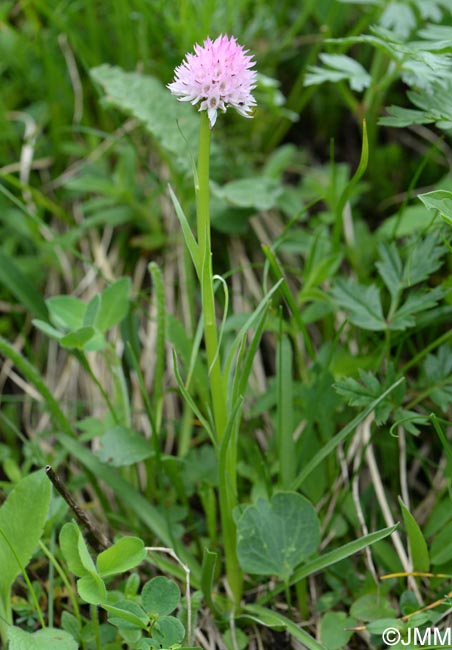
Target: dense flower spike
[(218, 75)]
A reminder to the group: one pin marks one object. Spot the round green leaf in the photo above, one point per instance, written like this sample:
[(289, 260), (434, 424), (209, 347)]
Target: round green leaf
[(121, 446), (258, 192), (371, 607), (333, 630), (40, 640), (75, 551), (66, 312), (160, 596), (124, 555), (127, 615), (273, 537), (77, 339), (92, 589), (168, 631)]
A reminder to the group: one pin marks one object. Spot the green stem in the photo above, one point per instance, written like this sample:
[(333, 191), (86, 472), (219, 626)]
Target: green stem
[(206, 277), (96, 628), (227, 493)]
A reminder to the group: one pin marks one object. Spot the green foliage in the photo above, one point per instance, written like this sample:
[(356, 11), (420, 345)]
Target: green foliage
[(127, 553), (40, 640), (121, 446), (363, 304), (338, 68), (418, 545), (160, 596), (82, 326), (335, 630), (22, 519), (275, 536), (149, 613)]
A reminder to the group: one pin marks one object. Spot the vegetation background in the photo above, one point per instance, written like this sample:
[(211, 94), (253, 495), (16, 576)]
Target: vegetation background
[(331, 215)]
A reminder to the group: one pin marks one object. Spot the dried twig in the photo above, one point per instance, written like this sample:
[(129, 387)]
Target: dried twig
[(95, 537)]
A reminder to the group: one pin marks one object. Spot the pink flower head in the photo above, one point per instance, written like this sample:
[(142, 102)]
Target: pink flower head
[(218, 75)]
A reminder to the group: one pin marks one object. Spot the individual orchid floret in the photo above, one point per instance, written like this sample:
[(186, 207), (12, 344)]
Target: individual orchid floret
[(218, 75)]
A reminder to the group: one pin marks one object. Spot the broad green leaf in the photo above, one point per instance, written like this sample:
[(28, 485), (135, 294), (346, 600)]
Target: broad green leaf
[(331, 557), (127, 614), (168, 631), (46, 639), (75, 551), (120, 446), (92, 309), (238, 641), (273, 537), (71, 624), (362, 304), (47, 329), (418, 545), (78, 339), (439, 201), (124, 555), (114, 305), (173, 124), (66, 312), (91, 589), (335, 630), (380, 625), (372, 607), (260, 192), (338, 67), (160, 596), (411, 220), (22, 519)]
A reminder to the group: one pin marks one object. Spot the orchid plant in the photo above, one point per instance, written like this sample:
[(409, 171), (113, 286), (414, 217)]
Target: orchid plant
[(218, 75)]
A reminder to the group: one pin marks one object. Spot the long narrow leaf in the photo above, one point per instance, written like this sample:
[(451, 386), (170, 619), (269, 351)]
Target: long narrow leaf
[(246, 326), (158, 384), (191, 402), (190, 240), (294, 308), (285, 417), (270, 618), (243, 369), (362, 166)]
